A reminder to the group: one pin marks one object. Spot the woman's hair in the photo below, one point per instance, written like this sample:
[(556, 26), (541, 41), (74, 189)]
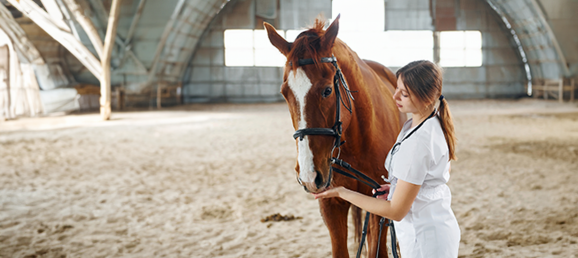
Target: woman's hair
[(423, 80)]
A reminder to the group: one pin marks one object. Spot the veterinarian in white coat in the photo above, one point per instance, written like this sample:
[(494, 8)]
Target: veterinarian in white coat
[(419, 201)]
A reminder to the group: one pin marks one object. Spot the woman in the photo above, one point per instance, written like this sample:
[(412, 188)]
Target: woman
[(419, 201)]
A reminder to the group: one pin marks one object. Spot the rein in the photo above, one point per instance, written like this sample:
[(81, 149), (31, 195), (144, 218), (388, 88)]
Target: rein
[(336, 131)]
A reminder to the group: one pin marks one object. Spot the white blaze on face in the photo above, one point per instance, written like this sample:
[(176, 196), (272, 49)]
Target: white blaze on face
[(300, 84)]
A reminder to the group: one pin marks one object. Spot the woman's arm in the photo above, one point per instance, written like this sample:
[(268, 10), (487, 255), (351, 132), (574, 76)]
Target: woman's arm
[(396, 209)]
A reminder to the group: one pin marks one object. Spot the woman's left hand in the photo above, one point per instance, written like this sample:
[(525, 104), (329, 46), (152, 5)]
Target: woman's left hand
[(329, 193)]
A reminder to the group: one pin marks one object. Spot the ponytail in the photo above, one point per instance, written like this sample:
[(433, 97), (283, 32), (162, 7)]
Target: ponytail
[(447, 123), (424, 81)]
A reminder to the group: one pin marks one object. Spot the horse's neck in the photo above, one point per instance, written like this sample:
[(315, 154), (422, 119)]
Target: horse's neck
[(363, 102), (365, 122)]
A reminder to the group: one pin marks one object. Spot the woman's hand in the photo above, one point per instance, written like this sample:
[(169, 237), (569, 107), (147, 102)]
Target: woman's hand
[(329, 193), (383, 188)]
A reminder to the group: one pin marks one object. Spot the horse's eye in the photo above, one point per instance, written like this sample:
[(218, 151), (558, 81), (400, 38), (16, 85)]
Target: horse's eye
[(327, 92)]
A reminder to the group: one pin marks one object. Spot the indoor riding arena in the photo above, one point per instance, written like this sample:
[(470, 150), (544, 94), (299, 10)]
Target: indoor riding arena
[(148, 128)]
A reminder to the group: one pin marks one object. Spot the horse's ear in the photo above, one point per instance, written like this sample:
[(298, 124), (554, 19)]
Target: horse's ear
[(276, 39), (331, 33)]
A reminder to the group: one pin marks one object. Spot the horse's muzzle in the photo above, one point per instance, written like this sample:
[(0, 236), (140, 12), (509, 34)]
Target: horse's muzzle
[(319, 184)]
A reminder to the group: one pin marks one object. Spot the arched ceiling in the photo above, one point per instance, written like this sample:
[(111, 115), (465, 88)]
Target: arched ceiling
[(183, 36), (537, 43)]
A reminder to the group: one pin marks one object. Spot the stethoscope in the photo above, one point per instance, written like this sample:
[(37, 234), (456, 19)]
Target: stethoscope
[(397, 145)]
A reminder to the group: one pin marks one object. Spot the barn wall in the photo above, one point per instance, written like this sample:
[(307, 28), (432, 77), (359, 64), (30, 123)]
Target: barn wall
[(502, 72), (562, 18), (501, 75), (408, 15)]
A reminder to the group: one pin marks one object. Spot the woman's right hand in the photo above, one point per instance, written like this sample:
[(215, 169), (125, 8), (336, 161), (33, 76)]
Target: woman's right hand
[(383, 188)]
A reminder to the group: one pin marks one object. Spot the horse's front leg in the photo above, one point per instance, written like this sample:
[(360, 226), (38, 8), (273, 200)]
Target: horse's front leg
[(334, 212), (373, 237)]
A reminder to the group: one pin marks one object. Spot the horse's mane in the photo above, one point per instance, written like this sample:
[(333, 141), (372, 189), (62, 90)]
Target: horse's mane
[(308, 42)]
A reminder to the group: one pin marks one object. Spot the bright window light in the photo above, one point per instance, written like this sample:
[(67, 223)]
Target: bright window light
[(251, 48), (461, 48), (391, 48), (291, 35), (359, 15), (361, 27), (239, 48)]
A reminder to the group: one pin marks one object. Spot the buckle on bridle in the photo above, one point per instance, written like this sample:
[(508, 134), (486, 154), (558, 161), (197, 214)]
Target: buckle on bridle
[(338, 128)]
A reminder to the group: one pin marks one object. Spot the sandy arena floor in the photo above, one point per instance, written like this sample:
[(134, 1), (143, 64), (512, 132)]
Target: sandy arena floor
[(196, 182)]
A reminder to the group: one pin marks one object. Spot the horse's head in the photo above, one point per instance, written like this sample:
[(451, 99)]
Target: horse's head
[(310, 95)]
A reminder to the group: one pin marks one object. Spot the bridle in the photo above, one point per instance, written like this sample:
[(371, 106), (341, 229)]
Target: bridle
[(337, 131)]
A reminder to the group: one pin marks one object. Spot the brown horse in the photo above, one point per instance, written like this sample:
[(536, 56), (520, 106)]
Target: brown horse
[(370, 129)]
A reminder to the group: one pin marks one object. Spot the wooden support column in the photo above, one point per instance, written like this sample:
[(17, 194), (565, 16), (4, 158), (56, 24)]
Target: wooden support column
[(105, 94), (561, 90), (572, 90)]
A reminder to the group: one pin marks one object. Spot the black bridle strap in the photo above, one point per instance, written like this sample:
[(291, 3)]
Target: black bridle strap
[(358, 175), (313, 131), (338, 81), (308, 61)]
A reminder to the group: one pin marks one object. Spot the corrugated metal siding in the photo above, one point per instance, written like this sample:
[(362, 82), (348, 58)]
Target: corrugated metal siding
[(408, 15)]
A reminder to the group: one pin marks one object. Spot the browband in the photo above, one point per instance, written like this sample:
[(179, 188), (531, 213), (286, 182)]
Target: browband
[(309, 61)]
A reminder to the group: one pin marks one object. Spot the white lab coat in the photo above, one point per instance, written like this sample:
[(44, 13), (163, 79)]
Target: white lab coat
[(430, 228)]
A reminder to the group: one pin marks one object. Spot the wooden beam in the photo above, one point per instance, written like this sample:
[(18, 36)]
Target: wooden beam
[(68, 18), (86, 25), (53, 10), (66, 39), (19, 38), (134, 22), (101, 16), (105, 94)]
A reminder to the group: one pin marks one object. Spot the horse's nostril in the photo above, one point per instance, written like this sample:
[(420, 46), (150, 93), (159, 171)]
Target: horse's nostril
[(319, 180)]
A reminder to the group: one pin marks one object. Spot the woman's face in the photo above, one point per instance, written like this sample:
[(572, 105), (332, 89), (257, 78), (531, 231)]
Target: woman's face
[(403, 100)]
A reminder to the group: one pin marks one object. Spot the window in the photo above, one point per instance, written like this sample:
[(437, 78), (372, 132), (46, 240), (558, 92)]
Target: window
[(391, 48), (460, 48), (251, 48), (361, 27)]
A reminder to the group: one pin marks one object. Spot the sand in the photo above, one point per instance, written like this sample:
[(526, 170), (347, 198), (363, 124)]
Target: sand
[(196, 181)]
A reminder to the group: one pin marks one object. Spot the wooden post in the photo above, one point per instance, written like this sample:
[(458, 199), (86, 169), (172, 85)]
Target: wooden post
[(178, 93), (159, 91), (545, 89), (561, 90), (572, 90), (105, 95), (118, 99)]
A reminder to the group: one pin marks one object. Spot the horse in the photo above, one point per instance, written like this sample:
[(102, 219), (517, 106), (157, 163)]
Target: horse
[(367, 128)]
